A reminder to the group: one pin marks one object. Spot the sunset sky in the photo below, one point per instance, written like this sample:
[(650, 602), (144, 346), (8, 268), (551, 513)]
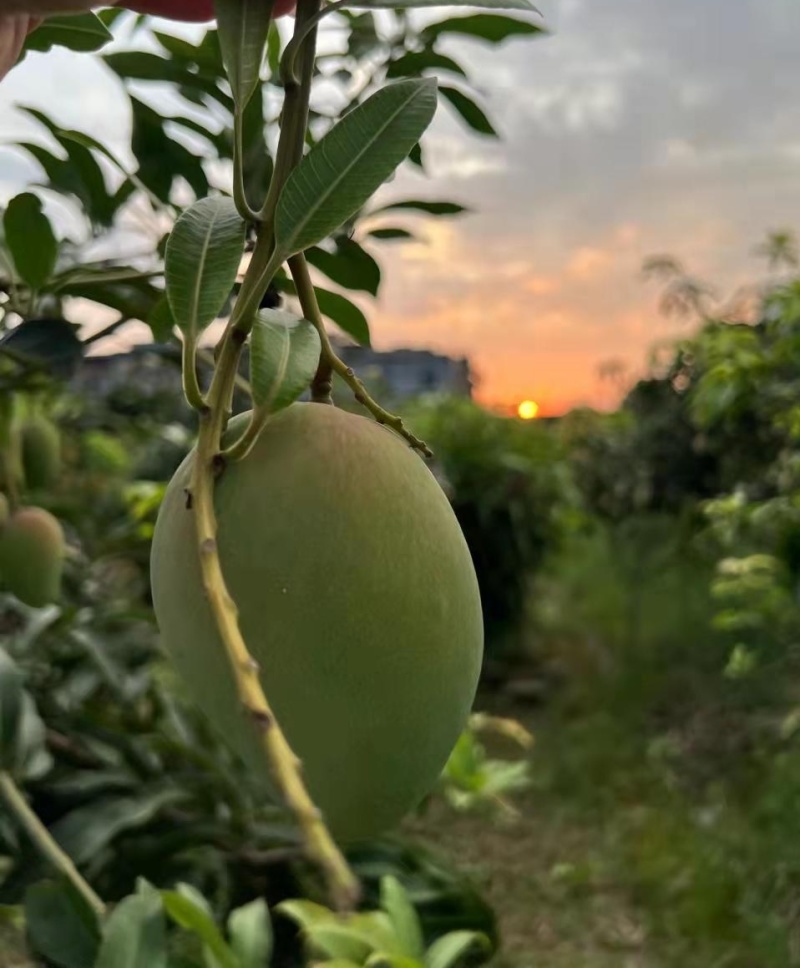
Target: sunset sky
[(637, 127)]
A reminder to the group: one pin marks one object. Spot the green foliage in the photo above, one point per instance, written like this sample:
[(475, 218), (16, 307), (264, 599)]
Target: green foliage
[(341, 172), (391, 936), (509, 488), (284, 356)]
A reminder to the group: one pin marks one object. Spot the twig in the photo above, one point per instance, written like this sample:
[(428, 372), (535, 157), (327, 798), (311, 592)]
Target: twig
[(308, 300), (45, 843)]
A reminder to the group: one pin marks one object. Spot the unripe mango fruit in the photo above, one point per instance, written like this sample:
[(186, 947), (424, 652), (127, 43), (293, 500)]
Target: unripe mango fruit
[(40, 447), (32, 556), (357, 598)]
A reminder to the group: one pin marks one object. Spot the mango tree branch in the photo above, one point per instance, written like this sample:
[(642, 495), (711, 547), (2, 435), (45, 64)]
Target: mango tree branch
[(308, 301), (45, 844), (285, 766)]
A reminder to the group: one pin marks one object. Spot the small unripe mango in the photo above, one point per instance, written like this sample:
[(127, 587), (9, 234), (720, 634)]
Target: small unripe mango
[(357, 599), (32, 556), (40, 447)]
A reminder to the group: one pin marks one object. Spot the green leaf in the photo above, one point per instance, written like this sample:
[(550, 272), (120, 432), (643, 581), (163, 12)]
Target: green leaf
[(44, 344), (161, 321), (413, 63), (84, 832), (348, 266), (345, 314), (381, 960), (354, 159), (191, 917), (250, 932), (161, 159), (11, 696), (30, 239), (447, 951), (395, 902), (423, 205), (469, 111), (306, 914), (392, 234), (135, 934), (483, 26), (61, 925), (32, 759), (203, 256), (82, 32), (243, 26), (339, 941), (284, 355)]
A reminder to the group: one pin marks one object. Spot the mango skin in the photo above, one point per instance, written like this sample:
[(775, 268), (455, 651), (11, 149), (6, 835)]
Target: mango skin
[(357, 597), (40, 447), (32, 551), (5, 510)]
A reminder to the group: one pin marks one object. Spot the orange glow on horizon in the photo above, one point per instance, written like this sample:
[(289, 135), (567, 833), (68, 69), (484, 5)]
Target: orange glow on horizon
[(528, 410)]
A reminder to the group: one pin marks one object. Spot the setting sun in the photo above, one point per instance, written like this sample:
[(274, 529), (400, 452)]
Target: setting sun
[(528, 410)]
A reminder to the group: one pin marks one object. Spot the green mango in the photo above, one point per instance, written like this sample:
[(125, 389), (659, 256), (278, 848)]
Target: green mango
[(40, 447), (357, 598), (32, 551)]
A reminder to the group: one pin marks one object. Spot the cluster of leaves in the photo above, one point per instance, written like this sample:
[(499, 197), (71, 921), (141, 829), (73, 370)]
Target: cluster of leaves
[(42, 276)]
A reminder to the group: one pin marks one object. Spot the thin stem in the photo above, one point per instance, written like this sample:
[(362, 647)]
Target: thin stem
[(45, 843), (191, 386), (239, 192), (295, 108), (308, 300), (322, 384), (283, 763), (292, 49), (242, 447)]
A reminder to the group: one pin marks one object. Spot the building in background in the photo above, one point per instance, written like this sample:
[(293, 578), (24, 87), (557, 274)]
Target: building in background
[(399, 374)]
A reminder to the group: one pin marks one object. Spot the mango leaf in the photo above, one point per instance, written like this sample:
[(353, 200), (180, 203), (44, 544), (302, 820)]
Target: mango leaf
[(338, 308), (135, 934), (422, 205), (162, 159), (46, 344), (30, 239), (446, 952), (193, 918), (413, 63), (474, 116), (348, 266), (161, 321), (339, 941), (483, 26), (202, 260), (284, 355), (82, 32), (354, 159), (395, 902), (347, 316), (250, 933), (243, 26), (306, 914), (85, 831), (32, 758), (11, 696), (61, 925), (392, 234)]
